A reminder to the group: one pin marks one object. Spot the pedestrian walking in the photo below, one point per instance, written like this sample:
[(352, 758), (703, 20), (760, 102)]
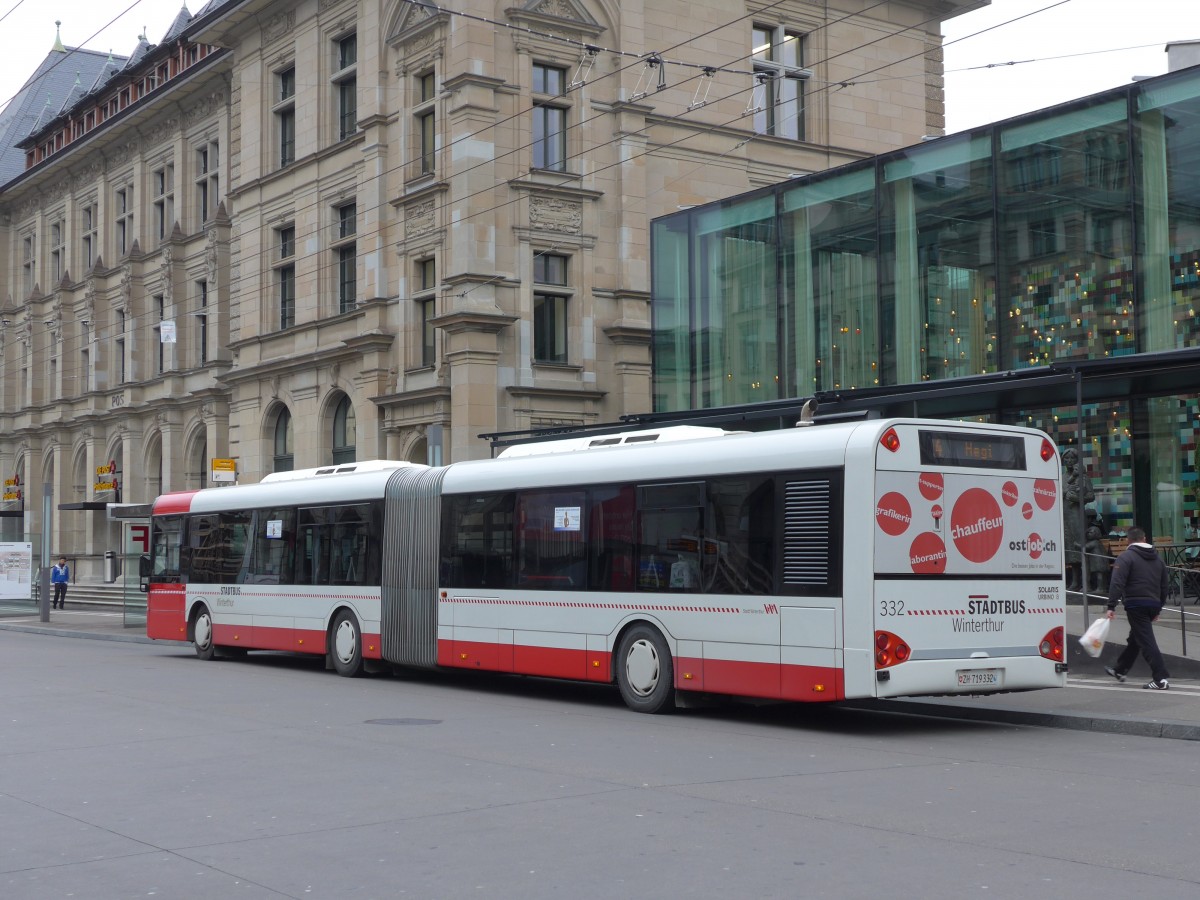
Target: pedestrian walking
[(60, 577), (1139, 579)]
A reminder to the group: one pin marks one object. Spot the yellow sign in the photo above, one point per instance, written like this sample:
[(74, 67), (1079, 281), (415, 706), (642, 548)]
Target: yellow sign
[(224, 470), (110, 469), (12, 495), (104, 486)]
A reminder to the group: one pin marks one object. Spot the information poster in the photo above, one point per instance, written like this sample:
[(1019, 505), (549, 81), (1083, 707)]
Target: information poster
[(16, 570)]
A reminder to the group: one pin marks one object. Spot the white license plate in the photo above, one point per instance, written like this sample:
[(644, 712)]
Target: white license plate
[(980, 677)]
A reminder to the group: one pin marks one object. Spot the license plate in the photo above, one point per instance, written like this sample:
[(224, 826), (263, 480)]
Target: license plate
[(980, 677)]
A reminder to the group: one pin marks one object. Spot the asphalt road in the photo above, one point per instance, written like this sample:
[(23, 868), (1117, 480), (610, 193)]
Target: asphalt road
[(135, 770)]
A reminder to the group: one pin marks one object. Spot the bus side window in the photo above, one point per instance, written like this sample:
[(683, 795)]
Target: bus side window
[(739, 556), (670, 525), (612, 538), (551, 540), (204, 548), (235, 527), (371, 544), (478, 540), (306, 565), (340, 545), (218, 545), (348, 544), (274, 547), (312, 564)]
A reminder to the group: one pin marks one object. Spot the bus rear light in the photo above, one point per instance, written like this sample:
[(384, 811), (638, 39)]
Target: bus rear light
[(890, 650), (1047, 450), (1051, 646), (890, 440)]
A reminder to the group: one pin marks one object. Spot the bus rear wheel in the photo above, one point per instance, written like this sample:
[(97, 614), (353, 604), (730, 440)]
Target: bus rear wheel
[(202, 634), (645, 672), (345, 645)]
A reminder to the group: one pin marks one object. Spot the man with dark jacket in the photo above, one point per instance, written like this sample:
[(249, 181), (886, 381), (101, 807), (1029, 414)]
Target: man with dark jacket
[(1139, 577)]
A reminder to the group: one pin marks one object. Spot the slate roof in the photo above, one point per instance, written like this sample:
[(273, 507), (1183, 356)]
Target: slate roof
[(46, 89), (182, 20), (65, 77)]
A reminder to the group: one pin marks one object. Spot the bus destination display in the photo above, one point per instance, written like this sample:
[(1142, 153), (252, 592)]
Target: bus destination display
[(979, 451)]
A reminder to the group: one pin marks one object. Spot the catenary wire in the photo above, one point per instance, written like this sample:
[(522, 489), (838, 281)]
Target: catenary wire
[(142, 319)]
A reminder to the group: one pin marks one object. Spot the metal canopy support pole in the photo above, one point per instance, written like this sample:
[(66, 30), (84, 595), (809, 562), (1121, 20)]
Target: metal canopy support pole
[(44, 571), (1084, 583)]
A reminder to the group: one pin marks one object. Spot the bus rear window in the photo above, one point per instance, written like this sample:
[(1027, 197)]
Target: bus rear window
[(976, 451)]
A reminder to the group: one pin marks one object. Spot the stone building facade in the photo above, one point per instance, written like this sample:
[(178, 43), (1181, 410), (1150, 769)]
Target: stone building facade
[(294, 234)]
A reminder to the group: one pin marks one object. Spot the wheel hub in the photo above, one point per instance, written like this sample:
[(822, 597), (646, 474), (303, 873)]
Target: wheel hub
[(203, 631), (345, 642), (641, 667)]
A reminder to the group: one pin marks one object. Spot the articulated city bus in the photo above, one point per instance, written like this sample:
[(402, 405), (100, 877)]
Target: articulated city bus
[(872, 558)]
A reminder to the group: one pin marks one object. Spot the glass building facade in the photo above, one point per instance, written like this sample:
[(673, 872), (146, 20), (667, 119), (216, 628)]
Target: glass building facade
[(1065, 237)]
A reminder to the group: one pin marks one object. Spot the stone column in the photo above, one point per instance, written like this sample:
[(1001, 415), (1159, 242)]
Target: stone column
[(473, 355)]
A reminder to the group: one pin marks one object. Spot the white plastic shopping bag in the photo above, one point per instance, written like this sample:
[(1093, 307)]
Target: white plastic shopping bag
[(1093, 639)]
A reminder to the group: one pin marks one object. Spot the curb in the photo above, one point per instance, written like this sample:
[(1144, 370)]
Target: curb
[(1165, 728), (87, 635)]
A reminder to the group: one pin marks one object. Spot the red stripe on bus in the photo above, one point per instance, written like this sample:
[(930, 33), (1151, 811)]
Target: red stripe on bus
[(290, 640), (174, 504), (550, 662), (164, 615), (807, 684), (744, 679)]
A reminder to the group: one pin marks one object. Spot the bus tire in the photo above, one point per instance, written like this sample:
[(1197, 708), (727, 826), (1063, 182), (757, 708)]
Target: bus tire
[(202, 634), (345, 645), (645, 671)]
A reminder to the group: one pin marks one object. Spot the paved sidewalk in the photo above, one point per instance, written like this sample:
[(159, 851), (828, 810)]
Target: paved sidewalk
[(1092, 701), (102, 623)]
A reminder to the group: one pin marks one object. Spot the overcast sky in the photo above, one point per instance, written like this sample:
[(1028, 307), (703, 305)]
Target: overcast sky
[(27, 30), (974, 96)]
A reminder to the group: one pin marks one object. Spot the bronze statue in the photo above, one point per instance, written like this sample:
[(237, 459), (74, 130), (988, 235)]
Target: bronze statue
[(1099, 562)]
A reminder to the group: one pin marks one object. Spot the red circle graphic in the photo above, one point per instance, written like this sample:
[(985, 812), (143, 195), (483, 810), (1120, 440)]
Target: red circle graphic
[(976, 525), (893, 513), (927, 555), (1045, 493), (931, 485), (1009, 494), (1035, 545), (1027, 510)]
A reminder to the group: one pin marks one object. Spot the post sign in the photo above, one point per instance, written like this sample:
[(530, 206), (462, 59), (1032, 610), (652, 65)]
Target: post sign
[(224, 471), (16, 570), (106, 478), (12, 489)]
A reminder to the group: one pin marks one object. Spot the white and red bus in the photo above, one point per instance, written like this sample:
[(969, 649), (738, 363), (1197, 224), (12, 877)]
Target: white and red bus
[(874, 558)]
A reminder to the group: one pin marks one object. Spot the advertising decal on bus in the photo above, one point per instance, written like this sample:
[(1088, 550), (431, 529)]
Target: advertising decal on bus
[(1013, 527)]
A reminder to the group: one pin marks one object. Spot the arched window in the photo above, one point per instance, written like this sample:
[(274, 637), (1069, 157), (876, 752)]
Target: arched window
[(344, 428), (285, 455), (198, 465)]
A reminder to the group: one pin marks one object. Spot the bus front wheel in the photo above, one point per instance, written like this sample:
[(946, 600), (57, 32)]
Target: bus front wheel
[(345, 645), (202, 634), (645, 673)]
